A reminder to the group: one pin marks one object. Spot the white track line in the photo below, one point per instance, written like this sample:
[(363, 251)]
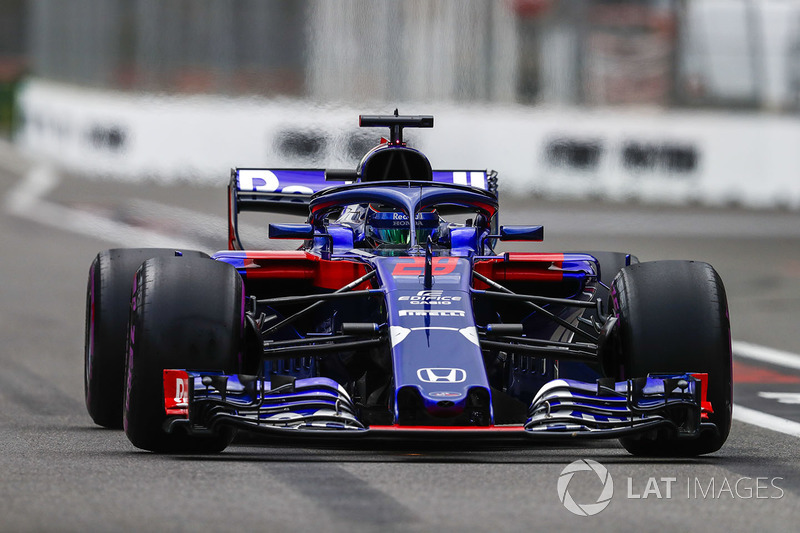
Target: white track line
[(24, 200), (771, 356), (24, 196), (766, 355), (766, 421)]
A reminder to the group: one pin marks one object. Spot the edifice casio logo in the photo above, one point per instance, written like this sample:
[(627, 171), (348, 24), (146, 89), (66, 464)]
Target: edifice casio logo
[(585, 509)]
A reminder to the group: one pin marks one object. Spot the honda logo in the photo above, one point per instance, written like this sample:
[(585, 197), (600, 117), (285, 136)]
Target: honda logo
[(441, 375)]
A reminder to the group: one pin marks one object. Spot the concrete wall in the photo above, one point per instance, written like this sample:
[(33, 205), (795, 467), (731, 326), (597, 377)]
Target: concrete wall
[(654, 156)]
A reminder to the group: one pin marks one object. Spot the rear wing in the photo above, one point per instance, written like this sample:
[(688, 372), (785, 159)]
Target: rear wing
[(289, 191)]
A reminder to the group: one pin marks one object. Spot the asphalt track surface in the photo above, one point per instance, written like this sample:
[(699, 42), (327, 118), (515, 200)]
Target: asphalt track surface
[(58, 472)]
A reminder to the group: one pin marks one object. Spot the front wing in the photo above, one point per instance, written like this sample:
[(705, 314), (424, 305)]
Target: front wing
[(202, 402)]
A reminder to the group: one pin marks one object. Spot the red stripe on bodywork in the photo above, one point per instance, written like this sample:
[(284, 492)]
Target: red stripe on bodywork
[(303, 265), (517, 428), (558, 259), (278, 254), (491, 209), (521, 267)]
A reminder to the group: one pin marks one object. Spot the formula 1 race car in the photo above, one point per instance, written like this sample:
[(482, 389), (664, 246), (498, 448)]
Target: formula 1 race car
[(396, 317)]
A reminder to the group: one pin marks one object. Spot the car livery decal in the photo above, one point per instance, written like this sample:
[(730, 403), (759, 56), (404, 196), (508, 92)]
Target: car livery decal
[(430, 297), (415, 266), (434, 323), (442, 375), (309, 181), (432, 312)]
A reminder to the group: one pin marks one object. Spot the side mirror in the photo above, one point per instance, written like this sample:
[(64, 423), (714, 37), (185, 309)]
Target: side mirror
[(522, 233), (291, 231)]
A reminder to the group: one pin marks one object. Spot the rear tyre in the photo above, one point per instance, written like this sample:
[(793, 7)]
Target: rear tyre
[(107, 302), (186, 313), (673, 317)]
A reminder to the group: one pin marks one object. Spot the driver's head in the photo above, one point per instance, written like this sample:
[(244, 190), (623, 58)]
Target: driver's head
[(387, 225)]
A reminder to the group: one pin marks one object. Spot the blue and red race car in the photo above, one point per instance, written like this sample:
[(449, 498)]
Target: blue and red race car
[(397, 317)]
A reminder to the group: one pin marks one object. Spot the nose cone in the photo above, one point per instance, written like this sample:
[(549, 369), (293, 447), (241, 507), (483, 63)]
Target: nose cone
[(443, 408), (437, 364), (450, 407)]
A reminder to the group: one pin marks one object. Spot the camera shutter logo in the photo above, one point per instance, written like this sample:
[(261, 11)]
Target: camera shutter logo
[(586, 509)]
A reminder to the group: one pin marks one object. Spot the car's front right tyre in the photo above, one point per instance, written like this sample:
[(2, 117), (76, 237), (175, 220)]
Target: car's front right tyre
[(673, 318)]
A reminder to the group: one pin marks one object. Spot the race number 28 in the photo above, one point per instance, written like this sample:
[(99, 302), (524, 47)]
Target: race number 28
[(415, 266)]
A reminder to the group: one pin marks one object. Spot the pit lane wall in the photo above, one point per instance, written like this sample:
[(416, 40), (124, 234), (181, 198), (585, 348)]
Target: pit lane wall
[(647, 155)]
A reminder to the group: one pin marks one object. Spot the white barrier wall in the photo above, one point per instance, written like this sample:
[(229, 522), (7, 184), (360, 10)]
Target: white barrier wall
[(654, 156)]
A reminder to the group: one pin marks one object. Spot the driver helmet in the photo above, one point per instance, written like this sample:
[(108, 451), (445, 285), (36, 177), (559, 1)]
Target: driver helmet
[(387, 225)]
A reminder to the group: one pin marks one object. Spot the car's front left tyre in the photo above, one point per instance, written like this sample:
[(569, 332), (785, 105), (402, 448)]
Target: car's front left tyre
[(186, 313)]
